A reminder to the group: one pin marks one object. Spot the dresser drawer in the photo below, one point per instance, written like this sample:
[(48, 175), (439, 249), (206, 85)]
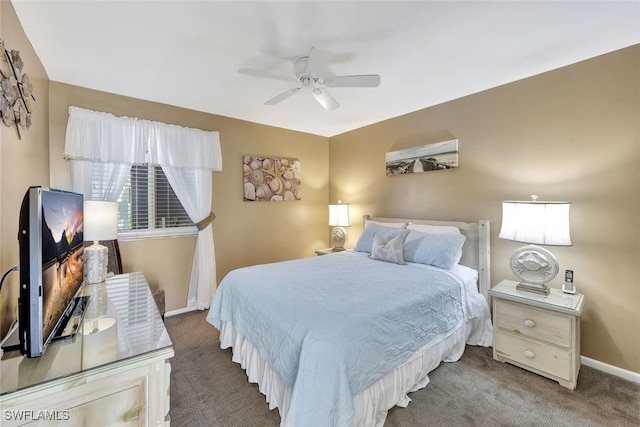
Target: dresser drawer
[(545, 358), (532, 322)]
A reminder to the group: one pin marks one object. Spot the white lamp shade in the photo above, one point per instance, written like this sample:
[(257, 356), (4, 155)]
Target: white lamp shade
[(100, 220), (543, 223), (339, 215)]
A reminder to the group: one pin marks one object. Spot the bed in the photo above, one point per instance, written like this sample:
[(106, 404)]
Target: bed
[(338, 340)]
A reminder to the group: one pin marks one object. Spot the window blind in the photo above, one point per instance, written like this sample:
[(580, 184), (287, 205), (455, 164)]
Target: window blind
[(147, 201)]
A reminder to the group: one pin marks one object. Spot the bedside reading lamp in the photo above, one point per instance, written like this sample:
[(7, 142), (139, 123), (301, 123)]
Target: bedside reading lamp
[(339, 218), (544, 223), (100, 223)]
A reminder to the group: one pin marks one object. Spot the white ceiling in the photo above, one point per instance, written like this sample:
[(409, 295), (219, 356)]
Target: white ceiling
[(187, 53)]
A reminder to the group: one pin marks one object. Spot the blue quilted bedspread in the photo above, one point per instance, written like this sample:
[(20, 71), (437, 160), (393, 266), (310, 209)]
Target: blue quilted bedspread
[(332, 325)]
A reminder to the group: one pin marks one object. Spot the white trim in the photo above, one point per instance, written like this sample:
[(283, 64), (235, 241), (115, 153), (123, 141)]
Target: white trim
[(610, 369), (179, 311), (157, 233)]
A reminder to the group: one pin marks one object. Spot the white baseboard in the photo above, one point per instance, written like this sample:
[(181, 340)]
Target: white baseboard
[(179, 311), (610, 369)]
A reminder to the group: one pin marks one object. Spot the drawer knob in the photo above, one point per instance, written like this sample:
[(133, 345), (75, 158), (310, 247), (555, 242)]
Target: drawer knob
[(529, 354), (529, 323)]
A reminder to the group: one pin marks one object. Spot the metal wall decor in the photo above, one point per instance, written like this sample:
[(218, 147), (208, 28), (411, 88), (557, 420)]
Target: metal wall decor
[(431, 157), (16, 90), (271, 179)]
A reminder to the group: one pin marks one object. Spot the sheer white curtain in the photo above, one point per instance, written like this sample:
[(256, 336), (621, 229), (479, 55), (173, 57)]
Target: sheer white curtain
[(188, 157), (114, 176), (197, 204)]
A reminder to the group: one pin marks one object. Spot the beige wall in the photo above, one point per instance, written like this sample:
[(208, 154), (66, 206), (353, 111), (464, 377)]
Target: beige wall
[(23, 162), (569, 134), (245, 233)]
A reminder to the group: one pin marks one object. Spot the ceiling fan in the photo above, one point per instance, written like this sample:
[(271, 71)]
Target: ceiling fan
[(311, 72)]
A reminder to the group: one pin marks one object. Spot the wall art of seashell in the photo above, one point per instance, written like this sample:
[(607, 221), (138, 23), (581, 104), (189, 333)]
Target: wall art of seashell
[(267, 164), (275, 179), (263, 192), (249, 191), (256, 176), (276, 185), (255, 164)]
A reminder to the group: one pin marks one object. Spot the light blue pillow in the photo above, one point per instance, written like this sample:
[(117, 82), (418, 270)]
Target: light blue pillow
[(365, 242), (440, 250), (389, 251)]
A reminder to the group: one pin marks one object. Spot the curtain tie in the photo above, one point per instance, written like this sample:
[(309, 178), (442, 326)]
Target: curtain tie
[(204, 223)]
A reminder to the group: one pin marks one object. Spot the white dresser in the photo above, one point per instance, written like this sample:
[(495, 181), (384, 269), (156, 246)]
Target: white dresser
[(540, 333), (117, 376)]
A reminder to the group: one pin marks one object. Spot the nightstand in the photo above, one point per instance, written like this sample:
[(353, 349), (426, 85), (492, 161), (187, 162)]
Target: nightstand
[(540, 333)]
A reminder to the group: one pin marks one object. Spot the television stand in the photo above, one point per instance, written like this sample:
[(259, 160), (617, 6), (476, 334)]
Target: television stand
[(82, 381)]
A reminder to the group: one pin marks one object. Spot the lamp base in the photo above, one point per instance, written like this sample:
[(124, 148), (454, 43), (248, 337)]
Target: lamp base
[(541, 289), (338, 238), (534, 266), (95, 263)]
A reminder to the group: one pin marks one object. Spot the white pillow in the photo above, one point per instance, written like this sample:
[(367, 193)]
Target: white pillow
[(433, 229), (440, 250), (386, 224), (365, 241)]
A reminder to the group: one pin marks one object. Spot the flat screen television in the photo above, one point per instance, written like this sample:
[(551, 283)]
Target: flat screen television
[(51, 265)]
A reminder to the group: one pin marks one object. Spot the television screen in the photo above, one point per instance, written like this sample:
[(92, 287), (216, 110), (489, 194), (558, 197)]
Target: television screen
[(51, 264)]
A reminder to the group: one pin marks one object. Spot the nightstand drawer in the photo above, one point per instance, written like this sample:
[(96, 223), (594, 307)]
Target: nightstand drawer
[(533, 322), (542, 357)]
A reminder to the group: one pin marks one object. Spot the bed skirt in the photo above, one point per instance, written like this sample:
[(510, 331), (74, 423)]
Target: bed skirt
[(372, 404)]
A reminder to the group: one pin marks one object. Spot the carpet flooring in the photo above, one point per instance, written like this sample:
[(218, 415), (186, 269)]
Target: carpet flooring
[(208, 389)]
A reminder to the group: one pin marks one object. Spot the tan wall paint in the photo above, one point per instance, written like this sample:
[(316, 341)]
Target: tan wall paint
[(245, 233), (23, 162), (569, 134), (586, 115)]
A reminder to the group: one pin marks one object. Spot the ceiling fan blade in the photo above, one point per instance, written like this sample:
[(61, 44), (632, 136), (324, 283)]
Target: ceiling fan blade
[(325, 99), (367, 80), (259, 73), (318, 61), (282, 96)]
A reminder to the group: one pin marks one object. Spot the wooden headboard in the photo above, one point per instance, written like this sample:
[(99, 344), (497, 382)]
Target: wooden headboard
[(475, 251)]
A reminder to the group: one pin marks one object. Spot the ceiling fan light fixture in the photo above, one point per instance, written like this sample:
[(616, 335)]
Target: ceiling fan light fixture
[(325, 99), (311, 71)]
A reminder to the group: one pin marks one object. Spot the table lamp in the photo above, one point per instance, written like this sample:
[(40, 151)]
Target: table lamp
[(338, 219), (535, 222), (100, 223)]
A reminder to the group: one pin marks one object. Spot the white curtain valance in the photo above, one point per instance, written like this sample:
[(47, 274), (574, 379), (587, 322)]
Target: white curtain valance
[(102, 137)]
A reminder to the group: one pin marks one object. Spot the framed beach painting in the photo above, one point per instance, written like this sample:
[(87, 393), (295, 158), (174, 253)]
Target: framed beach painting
[(271, 179), (425, 158)]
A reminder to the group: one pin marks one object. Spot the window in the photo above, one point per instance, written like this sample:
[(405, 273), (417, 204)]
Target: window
[(147, 206)]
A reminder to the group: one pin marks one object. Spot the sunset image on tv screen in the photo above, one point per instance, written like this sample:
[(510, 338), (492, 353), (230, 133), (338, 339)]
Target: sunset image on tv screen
[(62, 249)]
